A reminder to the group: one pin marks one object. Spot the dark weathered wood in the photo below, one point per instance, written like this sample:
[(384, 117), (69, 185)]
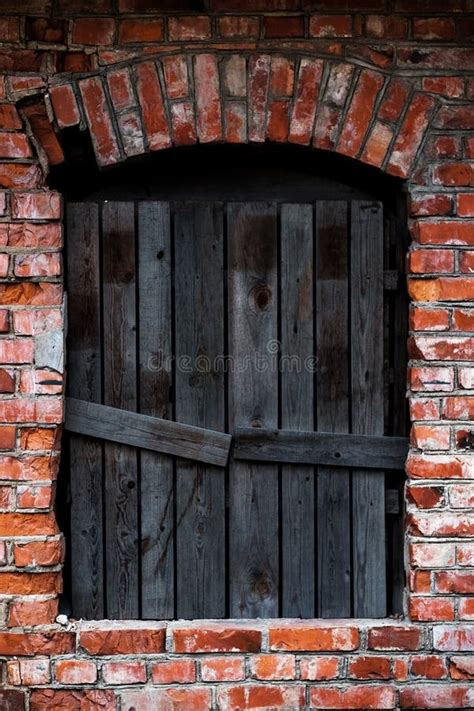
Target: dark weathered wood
[(120, 391), (332, 406), (336, 450), (253, 393), (158, 435), (200, 400), (84, 381), (297, 408), (155, 399), (367, 358)]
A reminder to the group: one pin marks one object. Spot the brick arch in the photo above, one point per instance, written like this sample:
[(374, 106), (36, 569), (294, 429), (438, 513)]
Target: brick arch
[(147, 105)]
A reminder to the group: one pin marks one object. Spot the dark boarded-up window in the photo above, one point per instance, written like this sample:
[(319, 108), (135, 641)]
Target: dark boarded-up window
[(247, 292)]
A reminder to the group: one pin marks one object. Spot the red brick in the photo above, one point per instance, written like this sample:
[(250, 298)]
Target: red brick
[(432, 555), (466, 377), (42, 129), (196, 698), (456, 117), (316, 668), (360, 113), (330, 26), (129, 639), (424, 409), (7, 381), (440, 524), (254, 5), (453, 638), (30, 235), (7, 437), (400, 669), (353, 697), (433, 28), (7, 496), (41, 553), (136, 31), (463, 320), (29, 583), (465, 204), (176, 671), (273, 666), (216, 638), (443, 147), (377, 144), (419, 581), (428, 609), (428, 437), (305, 637), (175, 71), (466, 609), (368, 667), (429, 667), (454, 581), (444, 289), (306, 100), (410, 135), (30, 614), (452, 87), (282, 76), (454, 174), (36, 206), (33, 265), (183, 123), (28, 468), (124, 672), (261, 697), (87, 699), (396, 638), (425, 497), (132, 133), (465, 554), (278, 120), (10, 29), (394, 100), (151, 101), (189, 28), (430, 696), (34, 643), (206, 76), (120, 88), (98, 118), (259, 77), (430, 261), (437, 466), (65, 105), (223, 669), (461, 496), (28, 672), (427, 205), (9, 118), (283, 26), (23, 524), (40, 29), (238, 26), (461, 668), (330, 114), (75, 671), (34, 497), (20, 175), (235, 122), (14, 145), (38, 438), (93, 31), (425, 319), (459, 408), (447, 232), (386, 27)]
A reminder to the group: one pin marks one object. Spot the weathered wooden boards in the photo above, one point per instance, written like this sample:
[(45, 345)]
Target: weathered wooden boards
[(193, 322)]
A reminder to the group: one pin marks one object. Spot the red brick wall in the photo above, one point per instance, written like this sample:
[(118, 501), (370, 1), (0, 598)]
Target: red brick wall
[(392, 90)]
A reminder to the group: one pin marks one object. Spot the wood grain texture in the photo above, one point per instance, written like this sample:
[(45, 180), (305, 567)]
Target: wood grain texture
[(120, 391), (297, 408), (332, 405), (253, 401), (367, 359), (200, 400), (155, 400), (84, 381)]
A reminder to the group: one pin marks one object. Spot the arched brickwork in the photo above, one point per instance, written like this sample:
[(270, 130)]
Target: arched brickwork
[(143, 100)]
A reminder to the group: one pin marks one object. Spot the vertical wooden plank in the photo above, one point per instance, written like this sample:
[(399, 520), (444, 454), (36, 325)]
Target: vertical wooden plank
[(200, 400), (253, 396), (297, 407), (154, 388), (368, 488), (84, 382), (118, 230), (332, 406)]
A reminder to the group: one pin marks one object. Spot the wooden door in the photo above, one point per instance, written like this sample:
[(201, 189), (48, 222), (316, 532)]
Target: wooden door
[(271, 322)]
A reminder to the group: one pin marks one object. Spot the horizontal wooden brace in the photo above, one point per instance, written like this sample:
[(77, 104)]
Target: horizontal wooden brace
[(340, 450), (145, 432)]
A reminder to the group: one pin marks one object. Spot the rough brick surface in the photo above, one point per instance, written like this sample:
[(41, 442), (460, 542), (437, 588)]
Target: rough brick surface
[(389, 84)]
